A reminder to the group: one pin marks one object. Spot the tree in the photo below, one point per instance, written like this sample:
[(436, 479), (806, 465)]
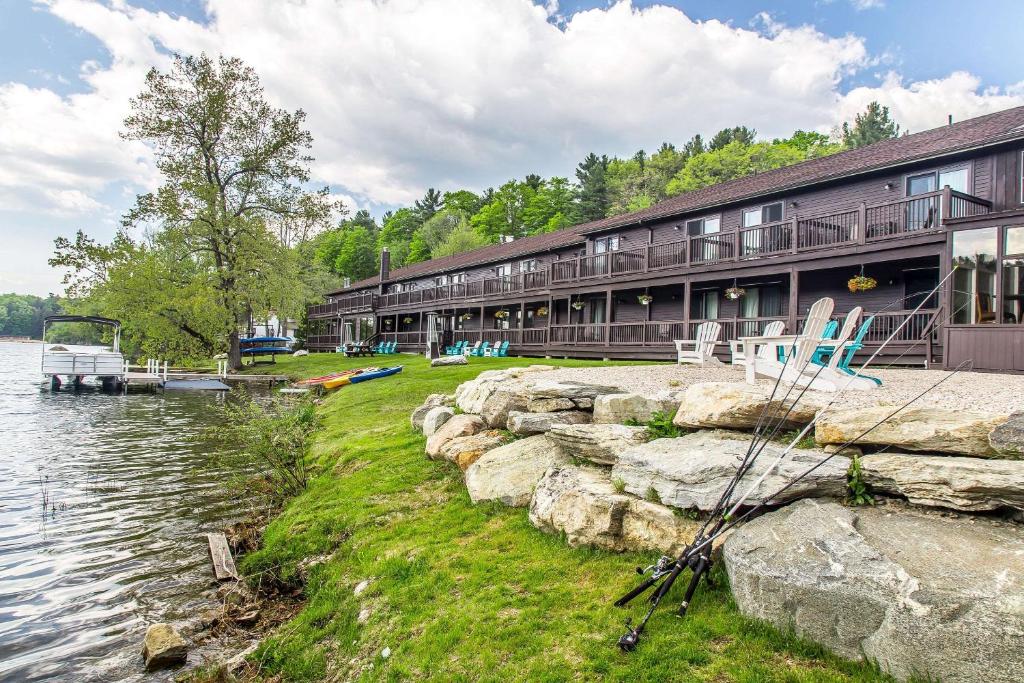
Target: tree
[(463, 201), (872, 126), (593, 187), (430, 204), (735, 160), (503, 216), (740, 134), (461, 238), (396, 234), (694, 147), (231, 165), (550, 208)]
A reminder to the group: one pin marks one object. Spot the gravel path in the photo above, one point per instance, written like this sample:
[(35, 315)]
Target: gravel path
[(995, 394)]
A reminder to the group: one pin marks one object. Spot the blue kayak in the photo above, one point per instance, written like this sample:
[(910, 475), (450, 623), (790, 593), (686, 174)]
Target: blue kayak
[(367, 376)]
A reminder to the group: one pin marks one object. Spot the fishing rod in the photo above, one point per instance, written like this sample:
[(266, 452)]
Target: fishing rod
[(697, 555)]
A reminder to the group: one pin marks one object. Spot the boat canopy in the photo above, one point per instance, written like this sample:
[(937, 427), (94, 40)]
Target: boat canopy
[(263, 340), (81, 319)]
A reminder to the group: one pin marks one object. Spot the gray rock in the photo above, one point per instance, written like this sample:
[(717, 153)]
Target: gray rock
[(919, 594), (300, 353), (927, 429), (582, 504), (1008, 438), (465, 450), (163, 646), (693, 471), (435, 418), (509, 473), (431, 401), (494, 411), (549, 405), (537, 423), (969, 484), (736, 405), (598, 443), (623, 408), (459, 425), (571, 390), (448, 360)]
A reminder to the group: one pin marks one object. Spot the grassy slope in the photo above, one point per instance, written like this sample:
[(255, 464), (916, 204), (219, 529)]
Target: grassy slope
[(464, 592)]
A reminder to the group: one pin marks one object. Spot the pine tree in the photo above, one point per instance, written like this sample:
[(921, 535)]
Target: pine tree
[(429, 205), (593, 192), (737, 134), (873, 125)]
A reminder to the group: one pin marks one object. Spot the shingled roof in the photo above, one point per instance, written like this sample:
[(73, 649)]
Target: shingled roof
[(963, 136)]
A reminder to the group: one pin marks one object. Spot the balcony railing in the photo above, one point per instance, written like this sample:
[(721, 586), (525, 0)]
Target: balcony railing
[(920, 214)]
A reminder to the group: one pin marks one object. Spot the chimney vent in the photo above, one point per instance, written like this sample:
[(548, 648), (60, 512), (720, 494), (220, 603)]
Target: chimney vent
[(951, 119)]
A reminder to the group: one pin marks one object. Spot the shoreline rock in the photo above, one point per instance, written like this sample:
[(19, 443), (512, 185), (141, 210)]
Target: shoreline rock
[(526, 424), (599, 443), (163, 647), (959, 483), (926, 429), (509, 473), (735, 405)]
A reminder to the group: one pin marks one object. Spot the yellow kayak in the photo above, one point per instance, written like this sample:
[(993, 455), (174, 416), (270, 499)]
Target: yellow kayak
[(335, 383)]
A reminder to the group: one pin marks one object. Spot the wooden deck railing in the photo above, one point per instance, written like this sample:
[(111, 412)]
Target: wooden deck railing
[(348, 304), (867, 224)]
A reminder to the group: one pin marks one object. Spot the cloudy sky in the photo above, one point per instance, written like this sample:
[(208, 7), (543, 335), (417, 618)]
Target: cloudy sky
[(402, 95)]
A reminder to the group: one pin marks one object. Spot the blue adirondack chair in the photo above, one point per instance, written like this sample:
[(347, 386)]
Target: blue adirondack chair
[(823, 355), (499, 350), (456, 349), (481, 350), (828, 333)]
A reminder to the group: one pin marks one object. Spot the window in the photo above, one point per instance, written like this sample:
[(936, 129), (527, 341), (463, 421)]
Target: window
[(703, 226), (440, 280), (504, 270), (931, 181), (705, 304), (606, 244), (1013, 276), (528, 266), (458, 279), (917, 284), (596, 312), (769, 213), (974, 281)]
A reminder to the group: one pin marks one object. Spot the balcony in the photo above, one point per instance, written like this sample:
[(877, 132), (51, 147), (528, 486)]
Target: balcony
[(347, 304)]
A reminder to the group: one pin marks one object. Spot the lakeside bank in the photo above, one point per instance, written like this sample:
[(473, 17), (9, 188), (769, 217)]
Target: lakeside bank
[(458, 591)]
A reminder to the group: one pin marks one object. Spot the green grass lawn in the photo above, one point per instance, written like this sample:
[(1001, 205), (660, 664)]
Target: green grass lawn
[(469, 592)]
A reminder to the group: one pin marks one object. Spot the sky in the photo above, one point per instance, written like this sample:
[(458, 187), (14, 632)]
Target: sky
[(402, 95)]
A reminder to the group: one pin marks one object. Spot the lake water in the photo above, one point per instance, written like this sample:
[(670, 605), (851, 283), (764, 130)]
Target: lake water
[(104, 503)]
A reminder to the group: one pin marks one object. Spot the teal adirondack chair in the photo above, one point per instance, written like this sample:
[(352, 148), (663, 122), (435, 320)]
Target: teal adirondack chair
[(455, 349), (481, 350), (822, 356), (499, 350), (828, 333), (393, 347)]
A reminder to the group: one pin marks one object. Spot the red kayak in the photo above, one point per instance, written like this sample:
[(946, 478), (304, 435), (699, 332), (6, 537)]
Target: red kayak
[(314, 381)]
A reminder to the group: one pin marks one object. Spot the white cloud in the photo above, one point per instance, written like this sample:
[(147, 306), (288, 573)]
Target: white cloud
[(405, 94)]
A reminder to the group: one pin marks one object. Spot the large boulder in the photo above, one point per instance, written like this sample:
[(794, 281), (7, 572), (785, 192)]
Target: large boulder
[(432, 401), (926, 429), (549, 405), (623, 408), (582, 503), (574, 391), (693, 471), (435, 418), (459, 425), (465, 450), (921, 595), (499, 404), (163, 646), (538, 423), (969, 484), (1008, 438), (735, 405), (448, 360), (470, 396), (598, 443), (509, 473)]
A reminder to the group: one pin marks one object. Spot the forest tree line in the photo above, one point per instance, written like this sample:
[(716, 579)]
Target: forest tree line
[(446, 223)]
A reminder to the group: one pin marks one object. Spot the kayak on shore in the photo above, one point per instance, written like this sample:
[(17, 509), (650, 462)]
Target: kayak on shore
[(315, 381), (363, 377)]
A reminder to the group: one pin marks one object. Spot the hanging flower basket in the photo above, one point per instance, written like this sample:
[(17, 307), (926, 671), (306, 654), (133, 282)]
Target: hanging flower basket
[(578, 305), (542, 312), (501, 315), (861, 283), (407, 320), (465, 316), (645, 299), (734, 293)]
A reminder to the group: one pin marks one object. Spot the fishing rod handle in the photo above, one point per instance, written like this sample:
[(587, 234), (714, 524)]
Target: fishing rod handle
[(703, 565)]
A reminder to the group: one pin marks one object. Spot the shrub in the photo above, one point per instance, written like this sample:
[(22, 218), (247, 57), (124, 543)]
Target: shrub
[(859, 494)]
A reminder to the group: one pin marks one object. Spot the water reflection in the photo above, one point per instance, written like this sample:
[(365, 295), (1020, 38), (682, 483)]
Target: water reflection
[(103, 506)]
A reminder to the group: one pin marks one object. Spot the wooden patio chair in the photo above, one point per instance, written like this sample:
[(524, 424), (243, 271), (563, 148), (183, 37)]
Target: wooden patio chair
[(798, 370), (703, 343), (772, 329), (469, 350), (835, 356), (481, 350)]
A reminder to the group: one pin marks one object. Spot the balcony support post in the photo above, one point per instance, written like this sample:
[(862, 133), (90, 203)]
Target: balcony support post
[(862, 225), (481, 335), (794, 235), (946, 207), (794, 300), (686, 304)]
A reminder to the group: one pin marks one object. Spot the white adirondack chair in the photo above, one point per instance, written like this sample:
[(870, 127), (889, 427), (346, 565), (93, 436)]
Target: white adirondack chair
[(772, 329), (798, 370), (703, 343)]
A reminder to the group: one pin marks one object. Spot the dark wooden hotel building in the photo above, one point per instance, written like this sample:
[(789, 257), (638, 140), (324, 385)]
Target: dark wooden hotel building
[(902, 211)]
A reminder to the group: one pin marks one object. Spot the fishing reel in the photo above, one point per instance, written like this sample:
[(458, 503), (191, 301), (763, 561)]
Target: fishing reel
[(664, 565), (629, 640)]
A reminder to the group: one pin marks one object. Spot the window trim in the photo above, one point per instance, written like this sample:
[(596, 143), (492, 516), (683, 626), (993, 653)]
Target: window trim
[(703, 219), (607, 239), (967, 166), (761, 207)]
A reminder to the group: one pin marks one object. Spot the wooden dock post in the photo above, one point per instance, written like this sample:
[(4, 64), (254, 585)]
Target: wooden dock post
[(220, 555)]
